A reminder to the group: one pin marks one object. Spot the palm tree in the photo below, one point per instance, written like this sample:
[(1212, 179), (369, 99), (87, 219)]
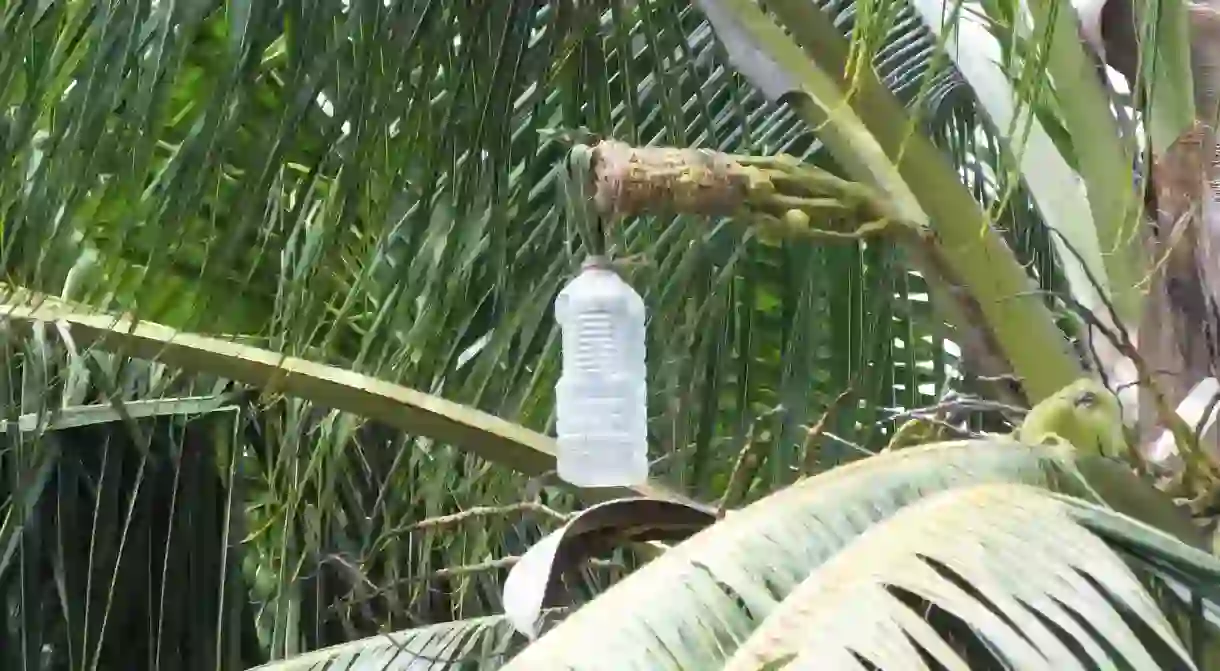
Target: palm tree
[(259, 253)]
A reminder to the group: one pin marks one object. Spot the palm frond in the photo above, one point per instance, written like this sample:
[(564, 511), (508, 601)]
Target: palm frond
[(166, 517), (1185, 579), (998, 576), (722, 582), (114, 544), (478, 644)]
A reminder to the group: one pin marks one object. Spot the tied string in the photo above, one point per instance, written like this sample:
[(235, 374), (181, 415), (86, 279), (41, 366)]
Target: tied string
[(583, 220)]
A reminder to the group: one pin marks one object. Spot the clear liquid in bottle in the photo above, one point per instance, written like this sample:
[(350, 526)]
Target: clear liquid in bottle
[(601, 397)]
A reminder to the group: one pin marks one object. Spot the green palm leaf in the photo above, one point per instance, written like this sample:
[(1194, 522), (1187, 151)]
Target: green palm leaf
[(997, 576), (691, 607)]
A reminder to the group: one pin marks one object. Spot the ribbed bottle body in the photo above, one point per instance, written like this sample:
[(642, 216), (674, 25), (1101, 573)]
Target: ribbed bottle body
[(601, 397)]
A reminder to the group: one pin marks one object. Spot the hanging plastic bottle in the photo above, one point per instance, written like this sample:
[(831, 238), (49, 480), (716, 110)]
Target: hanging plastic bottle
[(601, 398)]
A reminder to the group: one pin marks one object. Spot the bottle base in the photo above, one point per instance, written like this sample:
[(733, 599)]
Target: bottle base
[(588, 474)]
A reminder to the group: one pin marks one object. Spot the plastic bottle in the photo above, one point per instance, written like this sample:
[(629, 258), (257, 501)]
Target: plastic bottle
[(601, 398)]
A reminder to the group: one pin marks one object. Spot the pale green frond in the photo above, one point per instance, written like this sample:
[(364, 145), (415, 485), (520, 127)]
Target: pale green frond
[(478, 644), (691, 607), (1185, 578), (1004, 566)]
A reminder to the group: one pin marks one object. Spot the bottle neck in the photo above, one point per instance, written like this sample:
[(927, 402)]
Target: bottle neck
[(598, 262)]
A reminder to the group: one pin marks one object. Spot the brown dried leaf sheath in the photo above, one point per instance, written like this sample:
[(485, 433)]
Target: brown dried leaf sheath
[(637, 180)]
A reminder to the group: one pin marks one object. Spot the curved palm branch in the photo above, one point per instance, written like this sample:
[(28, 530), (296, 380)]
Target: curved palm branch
[(998, 576), (722, 582)]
